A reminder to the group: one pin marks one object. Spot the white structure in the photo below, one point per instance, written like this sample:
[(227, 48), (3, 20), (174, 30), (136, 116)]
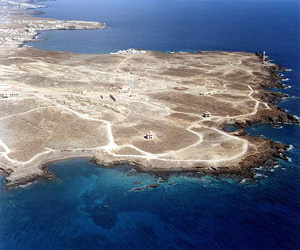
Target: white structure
[(83, 107), (129, 51), (206, 114), (10, 94), (264, 55), (149, 135)]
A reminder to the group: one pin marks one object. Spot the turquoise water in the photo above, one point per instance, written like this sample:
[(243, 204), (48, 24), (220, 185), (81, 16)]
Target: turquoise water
[(87, 207)]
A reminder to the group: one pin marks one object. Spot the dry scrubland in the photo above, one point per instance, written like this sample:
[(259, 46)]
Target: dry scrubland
[(56, 105)]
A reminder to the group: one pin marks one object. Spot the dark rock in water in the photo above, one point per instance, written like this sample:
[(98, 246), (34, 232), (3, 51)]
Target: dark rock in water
[(246, 180), (275, 126), (277, 67), (163, 176), (240, 132), (137, 182), (269, 163), (155, 185)]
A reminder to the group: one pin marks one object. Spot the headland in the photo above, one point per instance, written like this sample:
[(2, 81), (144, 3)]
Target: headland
[(157, 111)]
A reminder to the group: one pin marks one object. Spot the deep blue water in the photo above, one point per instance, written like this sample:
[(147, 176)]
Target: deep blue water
[(87, 207)]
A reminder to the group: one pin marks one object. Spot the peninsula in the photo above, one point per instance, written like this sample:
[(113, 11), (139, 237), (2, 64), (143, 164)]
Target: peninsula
[(157, 111)]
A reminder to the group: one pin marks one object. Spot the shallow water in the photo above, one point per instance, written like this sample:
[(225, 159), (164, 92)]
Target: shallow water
[(87, 207)]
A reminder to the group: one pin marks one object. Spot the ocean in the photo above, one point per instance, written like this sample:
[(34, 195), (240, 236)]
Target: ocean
[(89, 207)]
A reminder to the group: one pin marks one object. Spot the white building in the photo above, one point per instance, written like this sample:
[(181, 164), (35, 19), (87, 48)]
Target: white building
[(149, 135), (206, 114)]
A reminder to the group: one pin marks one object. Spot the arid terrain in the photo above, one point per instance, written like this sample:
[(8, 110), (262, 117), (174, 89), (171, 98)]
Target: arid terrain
[(159, 111)]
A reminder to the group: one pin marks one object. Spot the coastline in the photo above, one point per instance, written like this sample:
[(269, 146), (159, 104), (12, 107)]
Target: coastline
[(243, 172), (32, 24), (273, 149), (274, 152)]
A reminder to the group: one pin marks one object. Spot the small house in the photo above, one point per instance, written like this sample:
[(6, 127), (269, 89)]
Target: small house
[(149, 135), (206, 114)]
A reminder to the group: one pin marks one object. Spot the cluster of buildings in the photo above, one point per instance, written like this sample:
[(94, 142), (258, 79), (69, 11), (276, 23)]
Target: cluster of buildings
[(81, 104), (26, 5), (125, 89), (8, 94), (209, 93), (129, 51)]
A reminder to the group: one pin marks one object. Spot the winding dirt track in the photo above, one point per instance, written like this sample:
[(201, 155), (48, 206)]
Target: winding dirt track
[(146, 155)]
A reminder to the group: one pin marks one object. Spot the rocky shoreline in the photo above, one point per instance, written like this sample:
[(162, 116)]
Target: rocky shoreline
[(267, 157), (276, 115)]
